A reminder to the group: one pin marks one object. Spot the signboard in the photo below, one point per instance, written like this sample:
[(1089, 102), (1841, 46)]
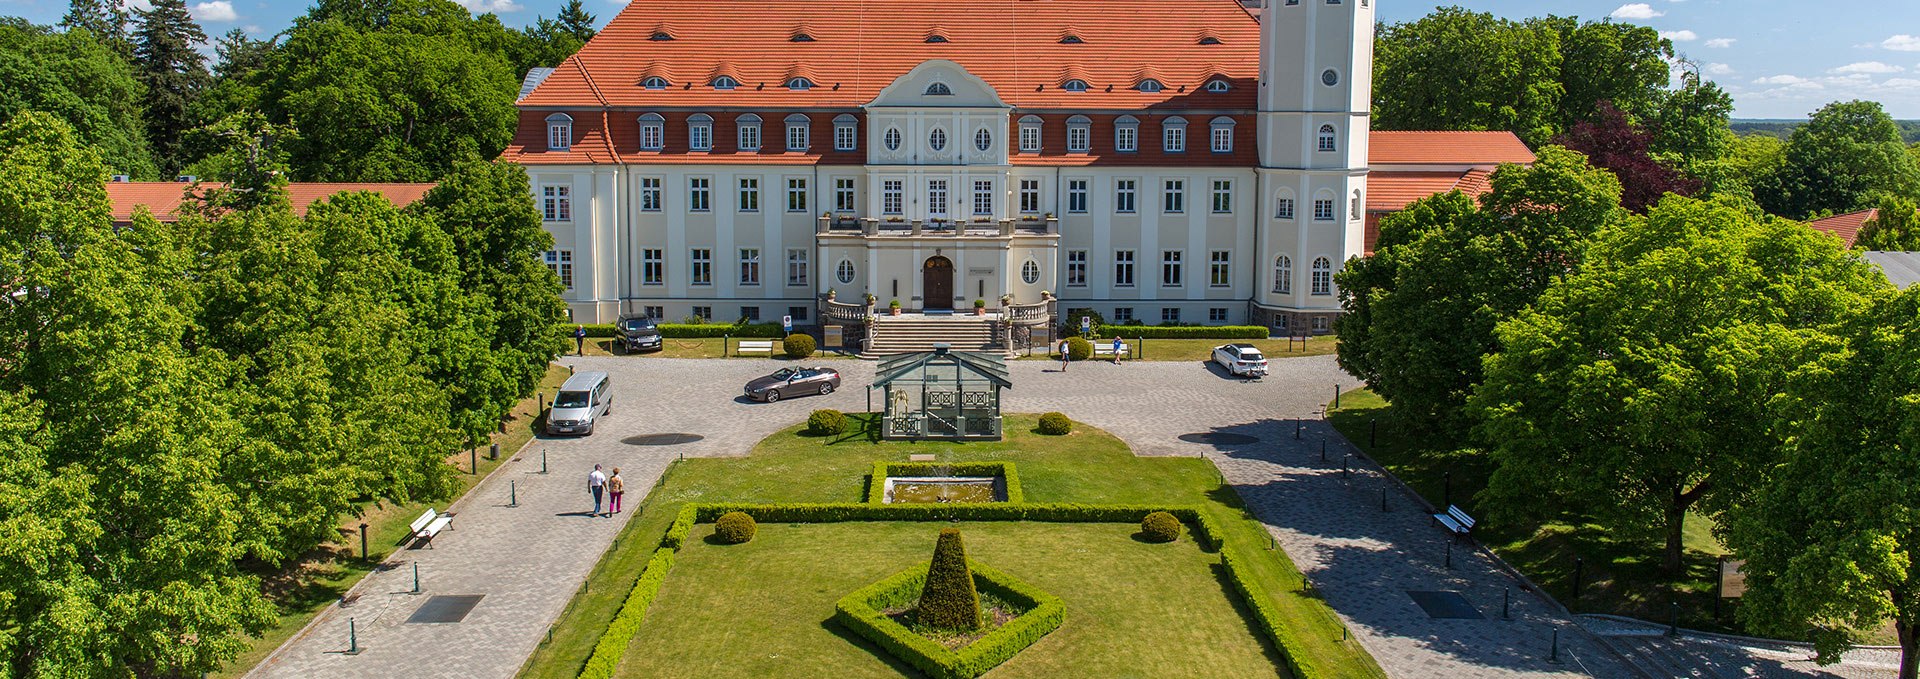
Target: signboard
[(979, 271), (787, 323), (1086, 324), (1733, 583)]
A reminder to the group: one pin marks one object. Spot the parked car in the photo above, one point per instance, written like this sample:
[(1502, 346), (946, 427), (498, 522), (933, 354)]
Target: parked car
[(1242, 360), (638, 333), (793, 382), (583, 400)]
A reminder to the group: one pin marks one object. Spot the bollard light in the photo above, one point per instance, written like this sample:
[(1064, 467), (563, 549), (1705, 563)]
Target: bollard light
[(513, 494), (1506, 603), (543, 460), (353, 638), (416, 577), (1553, 655), (493, 453)]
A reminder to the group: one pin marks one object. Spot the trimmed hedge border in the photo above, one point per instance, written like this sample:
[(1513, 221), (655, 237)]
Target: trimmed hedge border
[(877, 487), (686, 330), (613, 643), (1222, 332), (861, 613)]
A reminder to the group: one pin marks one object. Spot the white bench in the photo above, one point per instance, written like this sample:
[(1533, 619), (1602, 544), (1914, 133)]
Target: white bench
[(429, 525), (1105, 349), (754, 346), (1455, 520)]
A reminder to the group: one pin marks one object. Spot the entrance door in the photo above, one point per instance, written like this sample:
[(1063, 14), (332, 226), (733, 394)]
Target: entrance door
[(938, 283)]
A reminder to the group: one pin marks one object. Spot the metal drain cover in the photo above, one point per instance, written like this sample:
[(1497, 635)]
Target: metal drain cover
[(1217, 438), (1445, 605), (661, 439), (446, 608)]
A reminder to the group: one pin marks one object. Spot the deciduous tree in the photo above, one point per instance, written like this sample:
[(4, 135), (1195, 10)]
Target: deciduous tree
[(83, 82), (1613, 142), (1844, 159), (1895, 227)]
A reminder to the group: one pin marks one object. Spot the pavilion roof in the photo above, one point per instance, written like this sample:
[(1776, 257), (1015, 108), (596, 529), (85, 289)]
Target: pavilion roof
[(914, 367)]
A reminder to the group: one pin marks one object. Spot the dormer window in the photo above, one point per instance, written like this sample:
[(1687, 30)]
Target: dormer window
[(660, 36), (939, 90), (1079, 134), (748, 127), (1173, 135), (936, 38), (1149, 85), (800, 37), (700, 132), (1220, 138), (1209, 40), (654, 83), (1074, 85), (846, 132), (1126, 134), (559, 132), (652, 132), (725, 82), (1071, 39), (1030, 134), (798, 137), (1218, 85), (799, 84)]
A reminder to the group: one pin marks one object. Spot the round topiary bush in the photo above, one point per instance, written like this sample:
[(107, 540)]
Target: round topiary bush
[(1055, 424), (798, 345), (734, 528), (1079, 349), (827, 423), (1160, 527)]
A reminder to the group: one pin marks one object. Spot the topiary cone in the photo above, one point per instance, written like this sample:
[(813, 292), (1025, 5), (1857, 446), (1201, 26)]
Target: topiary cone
[(949, 601)]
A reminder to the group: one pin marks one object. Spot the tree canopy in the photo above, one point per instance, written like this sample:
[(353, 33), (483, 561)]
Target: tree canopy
[(82, 81), (1847, 156), (166, 52), (1613, 142), (1896, 226)]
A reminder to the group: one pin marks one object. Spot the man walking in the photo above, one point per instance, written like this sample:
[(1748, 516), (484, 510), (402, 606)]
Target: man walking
[(1063, 355), (579, 340), (597, 485)]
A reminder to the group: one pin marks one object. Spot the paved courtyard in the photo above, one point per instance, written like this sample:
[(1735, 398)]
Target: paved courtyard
[(528, 560)]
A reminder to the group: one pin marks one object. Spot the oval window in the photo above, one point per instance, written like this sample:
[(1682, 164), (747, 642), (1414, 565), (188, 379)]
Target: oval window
[(1030, 272), (937, 140), (893, 139), (983, 139), (1329, 77), (844, 272)]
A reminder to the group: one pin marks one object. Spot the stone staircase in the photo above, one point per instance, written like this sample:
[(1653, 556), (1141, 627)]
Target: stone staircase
[(909, 333)]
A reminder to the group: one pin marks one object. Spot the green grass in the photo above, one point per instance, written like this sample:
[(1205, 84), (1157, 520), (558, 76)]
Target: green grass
[(1202, 349), (1619, 576), (759, 609), (1087, 466), (695, 347), (304, 588)]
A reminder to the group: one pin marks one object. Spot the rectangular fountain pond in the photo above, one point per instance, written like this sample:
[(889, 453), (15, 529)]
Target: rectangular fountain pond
[(937, 489)]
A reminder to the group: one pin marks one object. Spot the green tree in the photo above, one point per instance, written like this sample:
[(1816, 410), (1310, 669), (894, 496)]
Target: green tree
[(166, 52), (553, 40), (1845, 158), (1751, 161), (1460, 70), (948, 599), (83, 82), (107, 21), (1895, 227), (1637, 388), (1421, 311), (1692, 124), (1624, 65), (1830, 542), (252, 162)]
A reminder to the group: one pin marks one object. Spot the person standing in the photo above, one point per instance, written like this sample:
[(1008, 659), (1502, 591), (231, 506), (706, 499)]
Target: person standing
[(1117, 346), (616, 487), (579, 340), (1064, 344), (596, 484)]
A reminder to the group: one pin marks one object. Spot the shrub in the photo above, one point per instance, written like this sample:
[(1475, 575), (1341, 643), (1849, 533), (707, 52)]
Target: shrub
[(734, 527), (949, 601), (1055, 424), (798, 345), (1219, 332), (1079, 349), (613, 643), (1071, 324), (688, 330), (862, 613), (1160, 527), (827, 423)]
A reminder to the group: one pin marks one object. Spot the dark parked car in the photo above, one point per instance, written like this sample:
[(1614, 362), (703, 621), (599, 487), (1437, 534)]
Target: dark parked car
[(638, 333), (793, 382)]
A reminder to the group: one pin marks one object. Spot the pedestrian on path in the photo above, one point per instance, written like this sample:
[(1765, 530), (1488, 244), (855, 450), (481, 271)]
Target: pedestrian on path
[(579, 340), (1116, 349), (1063, 355), (615, 488), (596, 484)]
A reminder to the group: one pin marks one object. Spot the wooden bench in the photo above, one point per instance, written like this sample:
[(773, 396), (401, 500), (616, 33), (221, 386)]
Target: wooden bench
[(1455, 520), (429, 525), (1105, 349), (754, 346)]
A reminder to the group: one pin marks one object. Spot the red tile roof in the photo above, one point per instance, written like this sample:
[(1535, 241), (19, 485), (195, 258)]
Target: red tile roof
[(860, 47), (1446, 148), (1393, 191), (164, 198), (1847, 226)]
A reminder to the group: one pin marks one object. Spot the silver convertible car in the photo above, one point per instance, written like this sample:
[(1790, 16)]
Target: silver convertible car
[(793, 382)]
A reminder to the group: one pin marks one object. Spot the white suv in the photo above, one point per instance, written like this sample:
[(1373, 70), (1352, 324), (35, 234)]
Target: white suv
[(1241, 360)]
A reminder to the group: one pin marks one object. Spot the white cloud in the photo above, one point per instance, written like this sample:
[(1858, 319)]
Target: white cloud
[(1781, 80), (1680, 35), (215, 10), (1864, 67), (495, 6), (1637, 10), (1901, 84), (1722, 43), (1902, 43), (1719, 69)]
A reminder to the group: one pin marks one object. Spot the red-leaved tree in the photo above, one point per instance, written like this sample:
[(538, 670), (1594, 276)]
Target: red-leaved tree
[(1612, 141)]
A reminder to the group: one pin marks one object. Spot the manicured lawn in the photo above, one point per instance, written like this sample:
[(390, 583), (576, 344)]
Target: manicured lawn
[(1087, 466), (697, 347), (761, 609), (1202, 349), (301, 590)]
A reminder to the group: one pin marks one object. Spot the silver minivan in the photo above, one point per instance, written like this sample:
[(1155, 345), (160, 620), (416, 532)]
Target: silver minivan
[(582, 401)]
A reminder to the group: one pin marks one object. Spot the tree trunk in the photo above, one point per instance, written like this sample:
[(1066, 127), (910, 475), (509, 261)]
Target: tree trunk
[(1907, 658), (1676, 520)]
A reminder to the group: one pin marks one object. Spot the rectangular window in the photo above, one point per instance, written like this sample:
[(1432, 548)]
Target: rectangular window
[(750, 314), (700, 137), (1222, 196), (560, 262), (1169, 314), (654, 312), (749, 194), (937, 197), (1175, 139), (1123, 196), (1319, 323), (559, 136), (649, 194), (701, 273), (843, 195), (1077, 196), (749, 266), (1222, 139), (1283, 208), (1123, 269), (1077, 136), (702, 314), (846, 137), (983, 197), (1076, 268), (653, 267), (1029, 138), (1126, 138), (799, 314), (1123, 314), (1030, 196), (1217, 315), (797, 138), (797, 267), (750, 137), (1174, 197), (699, 194), (890, 197), (1323, 210), (650, 136), (1171, 273), (796, 194), (1219, 269), (556, 203)]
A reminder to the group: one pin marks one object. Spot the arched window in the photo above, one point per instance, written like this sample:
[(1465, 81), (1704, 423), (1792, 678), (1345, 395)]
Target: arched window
[(1209, 40), (1357, 205), (801, 37), (1070, 39), (1079, 134), (1126, 134), (937, 139), (892, 139), (748, 127), (1221, 137), (654, 83), (1283, 275), (1322, 276), (700, 132), (1218, 85), (1074, 85), (1283, 205), (1149, 85), (559, 132), (1323, 206), (982, 139), (1327, 139), (800, 83), (798, 132), (1030, 134), (1030, 272), (652, 132), (844, 272), (1173, 135), (725, 82), (935, 38), (661, 36), (939, 90)]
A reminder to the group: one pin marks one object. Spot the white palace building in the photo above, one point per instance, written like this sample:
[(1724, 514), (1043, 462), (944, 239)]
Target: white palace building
[(1199, 161)]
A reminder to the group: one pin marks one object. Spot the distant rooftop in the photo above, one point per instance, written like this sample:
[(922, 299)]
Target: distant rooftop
[(164, 198)]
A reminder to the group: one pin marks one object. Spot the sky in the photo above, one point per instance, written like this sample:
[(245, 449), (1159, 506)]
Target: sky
[(1778, 58)]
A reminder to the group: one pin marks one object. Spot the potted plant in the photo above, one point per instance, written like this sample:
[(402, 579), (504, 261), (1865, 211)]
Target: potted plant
[(893, 307), (979, 307)]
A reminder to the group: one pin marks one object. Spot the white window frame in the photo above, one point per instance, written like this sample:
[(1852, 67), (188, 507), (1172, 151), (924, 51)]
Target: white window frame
[(983, 197), (1030, 272), (1076, 268), (1328, 140), (556, 203), (699, 194), (750, 266), (1221, 138), (700, 132), (1283, 275), (1220, 269), (1029, 196), (846, 132), (796, 194), (891, 139), (1323, 209), (560, 262), (653, 132), (701, 270), (1322, 276), (1283, 206), (1222, 197), (797, 267), (1077, 196), (1079, 134), (650, 194), (799, 133), (1173, 135), (1030, 138), (1173, 268), (1125, 196), (845, 197), (1126, 134), (983, 140), (1173, 196), (1123, 262), (891, 199), (937, 198), (748, 195), (653, 266), (845, 272), (559, 132), (747, 133)]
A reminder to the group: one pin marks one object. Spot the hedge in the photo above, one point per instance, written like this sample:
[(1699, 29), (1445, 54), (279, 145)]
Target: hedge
[(1268, 619), (613, 643), (1205, 530), (685, 330), (861, 613), (877, 488), (1222, 332)]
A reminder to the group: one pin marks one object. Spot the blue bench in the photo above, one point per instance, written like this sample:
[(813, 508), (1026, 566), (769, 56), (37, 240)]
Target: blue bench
[(1455, 520)]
